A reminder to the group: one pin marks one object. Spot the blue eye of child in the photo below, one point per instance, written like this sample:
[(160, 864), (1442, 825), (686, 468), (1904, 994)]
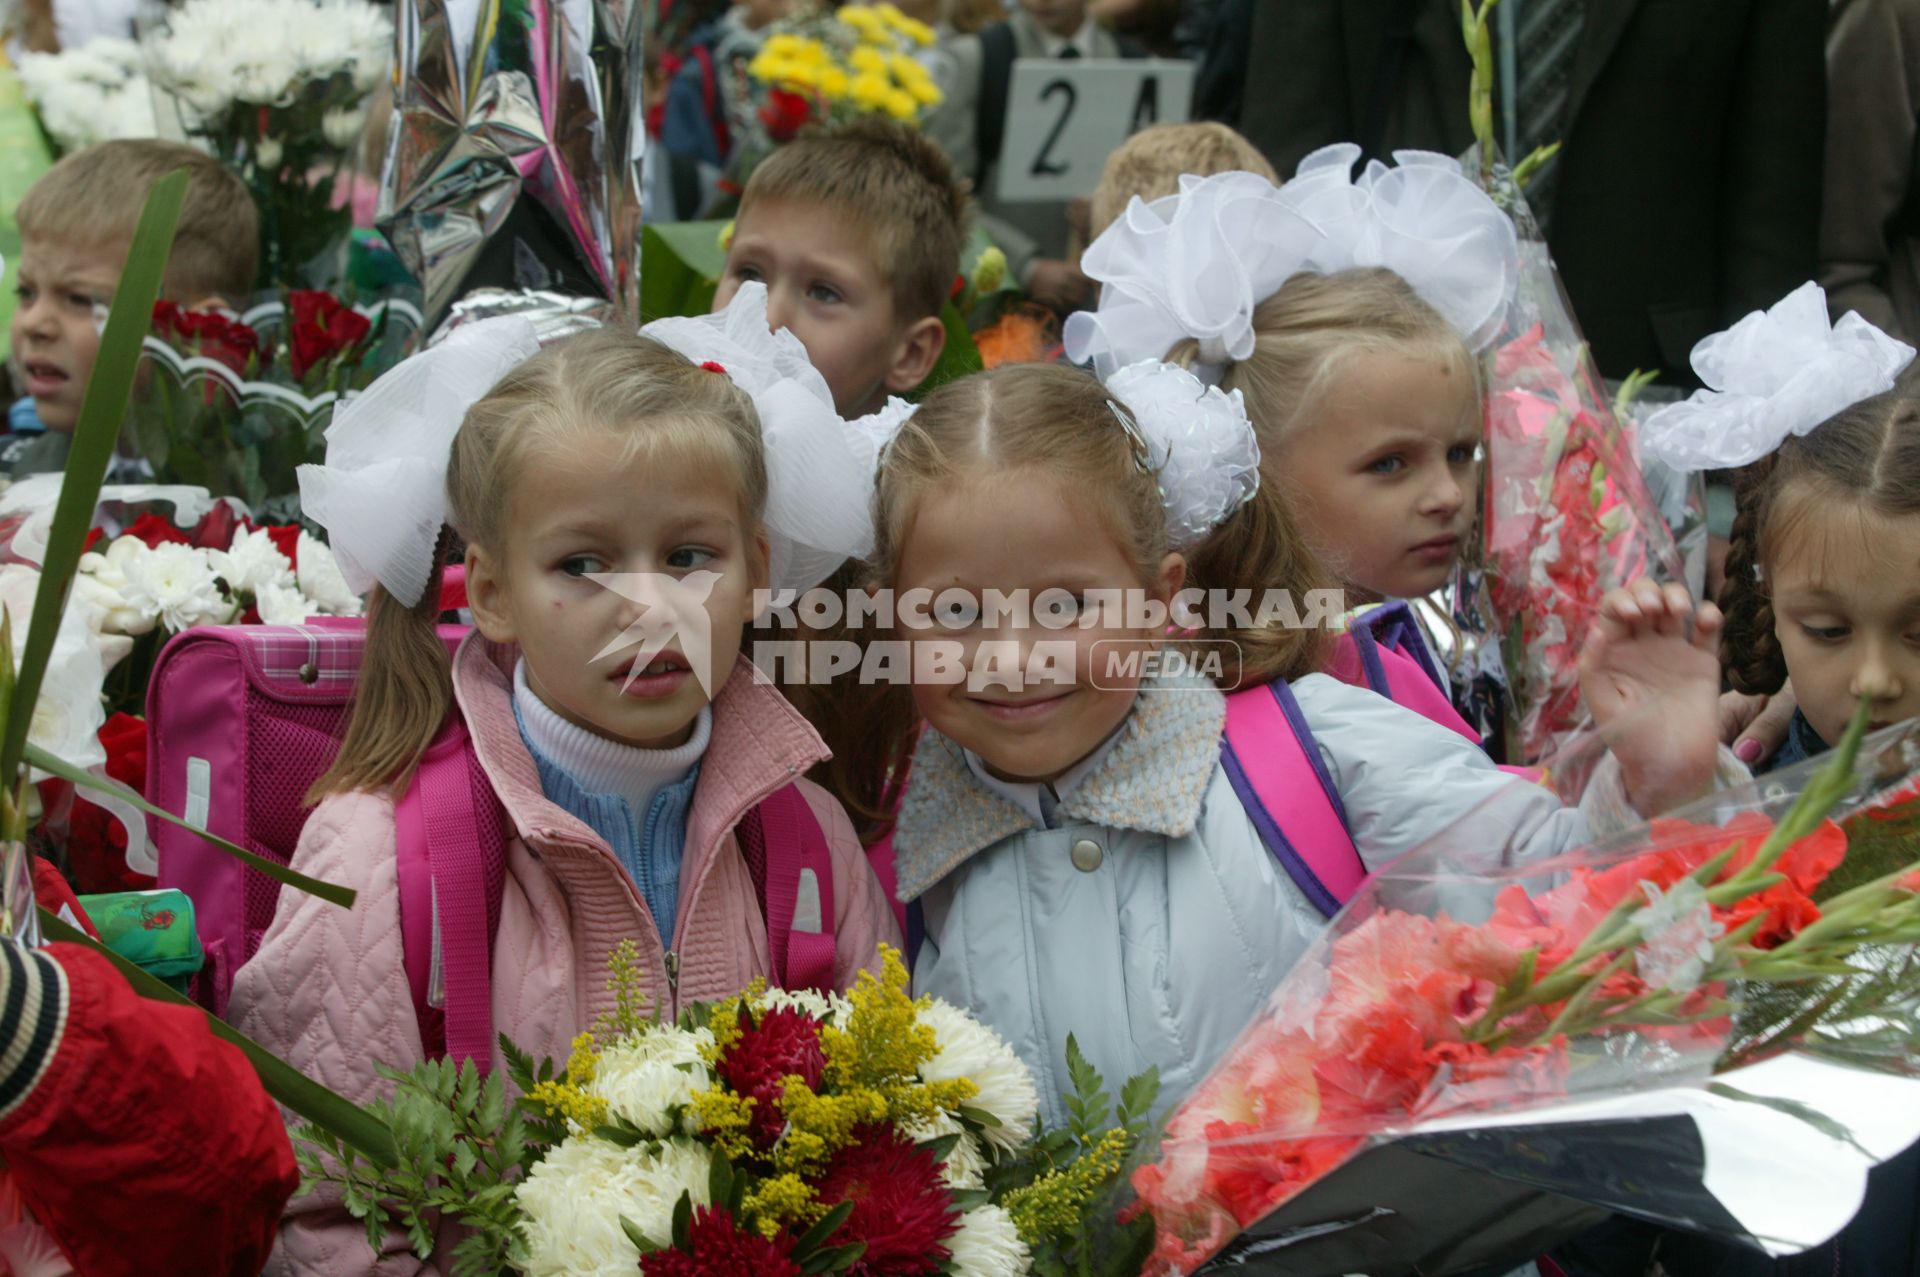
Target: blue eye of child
[(581, 565), (1463, 455), (1826, 633), (688, 557), (1387, 465), (821, 293)]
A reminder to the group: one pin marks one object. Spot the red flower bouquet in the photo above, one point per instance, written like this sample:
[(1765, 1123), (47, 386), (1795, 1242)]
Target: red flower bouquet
[(1445, 1000), (234, 404)]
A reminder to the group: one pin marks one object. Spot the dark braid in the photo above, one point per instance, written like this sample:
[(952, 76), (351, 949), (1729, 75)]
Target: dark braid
[(1751, 651)]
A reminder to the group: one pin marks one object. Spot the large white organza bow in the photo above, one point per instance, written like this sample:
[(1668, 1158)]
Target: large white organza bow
[(1198, 441), (820, 468), (1776, 373), (382, 494), (1197, 264)]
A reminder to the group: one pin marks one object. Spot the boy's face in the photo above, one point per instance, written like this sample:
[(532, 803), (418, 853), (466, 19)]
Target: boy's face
[(1058, 18), (825, 284), (55, 335)]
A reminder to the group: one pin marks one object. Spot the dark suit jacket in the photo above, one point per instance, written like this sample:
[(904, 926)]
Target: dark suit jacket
[(1689, 182)]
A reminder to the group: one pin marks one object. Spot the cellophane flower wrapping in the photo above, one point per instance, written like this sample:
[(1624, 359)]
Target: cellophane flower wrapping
[(1459, 989), (1566, 514), (235, 402), (278, 91)]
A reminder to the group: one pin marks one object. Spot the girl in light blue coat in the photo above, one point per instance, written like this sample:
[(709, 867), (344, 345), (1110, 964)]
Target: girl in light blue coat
[(1081, 859)]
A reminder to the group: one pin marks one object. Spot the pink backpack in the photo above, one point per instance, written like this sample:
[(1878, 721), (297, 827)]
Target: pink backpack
[(242, 719)]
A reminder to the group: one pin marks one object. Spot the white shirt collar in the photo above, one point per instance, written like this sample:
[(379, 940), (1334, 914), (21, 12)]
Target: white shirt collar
[(1081, 40), (1037, 800)]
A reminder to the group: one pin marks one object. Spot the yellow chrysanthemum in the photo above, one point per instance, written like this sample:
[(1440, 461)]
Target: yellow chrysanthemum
[(917, 31), (800, 75), (905, 69), (833, 84), (926, 93), (784, 45), (868, 61), (901, 106), (869, 91)]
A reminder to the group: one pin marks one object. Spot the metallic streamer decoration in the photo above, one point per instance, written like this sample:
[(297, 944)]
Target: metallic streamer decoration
[(514, 161)]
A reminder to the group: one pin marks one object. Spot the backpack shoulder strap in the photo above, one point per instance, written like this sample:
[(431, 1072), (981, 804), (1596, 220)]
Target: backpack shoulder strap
[(1275, 768), (796, 889), (1395, 662), (996, 78), (452, 867)]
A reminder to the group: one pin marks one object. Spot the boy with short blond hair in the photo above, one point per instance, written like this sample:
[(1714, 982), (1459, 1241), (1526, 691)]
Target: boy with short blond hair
[(1149, 164), (856, 232), (76, 227)]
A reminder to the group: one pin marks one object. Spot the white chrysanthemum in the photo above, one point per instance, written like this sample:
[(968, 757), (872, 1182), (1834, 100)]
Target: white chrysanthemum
[(102, 585), (820, 1006), (90, 94), (970, 1050), (343, 128), (282, 605), (649, 1077), (69, 714), (988, 1245), (176, 584), (573, 1199), (965, 1166), (252, 563), (322, 581)]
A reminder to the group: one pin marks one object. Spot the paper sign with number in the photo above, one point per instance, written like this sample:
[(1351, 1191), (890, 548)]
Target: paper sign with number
[(1065, 118)]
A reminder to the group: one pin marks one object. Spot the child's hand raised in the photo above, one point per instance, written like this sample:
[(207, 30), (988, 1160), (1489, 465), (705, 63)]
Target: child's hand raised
[(1650, 677)]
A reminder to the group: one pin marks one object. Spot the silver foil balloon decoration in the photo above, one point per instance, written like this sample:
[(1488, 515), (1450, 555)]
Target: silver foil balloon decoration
[(514, 160)]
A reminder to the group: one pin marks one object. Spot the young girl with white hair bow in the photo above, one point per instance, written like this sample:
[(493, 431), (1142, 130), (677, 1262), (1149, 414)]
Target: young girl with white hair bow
[(620, 498), (1349, 314), (1079, 850)]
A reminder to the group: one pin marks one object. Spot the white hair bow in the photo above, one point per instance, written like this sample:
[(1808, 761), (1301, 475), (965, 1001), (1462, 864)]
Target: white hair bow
[(382, 494), (1196, 438), (1776, 373), (820, 468), (1197, 264)]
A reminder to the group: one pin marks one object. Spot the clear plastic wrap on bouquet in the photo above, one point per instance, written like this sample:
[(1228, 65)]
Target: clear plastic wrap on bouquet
[(1480, 1058), (1566, 513)]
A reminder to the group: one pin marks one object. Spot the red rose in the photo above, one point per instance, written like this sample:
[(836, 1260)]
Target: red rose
[(215, 336), (216, 528), (153, 530), (320, 327), (286, 539), (125, 738), (785, 114)]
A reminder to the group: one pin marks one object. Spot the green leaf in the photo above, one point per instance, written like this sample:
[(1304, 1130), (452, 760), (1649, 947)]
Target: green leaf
[(643, 1243), (683, 1221), (95, 437), (354, 1125), (720, 1180), (825, 1227), (1138, 1095), (979, 1117), (623, 1136), (942, 1146), (57, 766), (835, 1259)]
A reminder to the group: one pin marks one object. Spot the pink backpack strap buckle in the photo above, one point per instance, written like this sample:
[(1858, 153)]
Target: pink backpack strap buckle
[(1277, 772), (799, 891)]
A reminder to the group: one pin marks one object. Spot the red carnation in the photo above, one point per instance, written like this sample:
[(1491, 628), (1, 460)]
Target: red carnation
[(717, 1248), (781, 1043), (321, 327), (902, 1209), (785, 114)]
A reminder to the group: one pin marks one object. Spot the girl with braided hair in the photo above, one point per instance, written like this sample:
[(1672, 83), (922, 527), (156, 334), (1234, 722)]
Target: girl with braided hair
[(1823, 573)]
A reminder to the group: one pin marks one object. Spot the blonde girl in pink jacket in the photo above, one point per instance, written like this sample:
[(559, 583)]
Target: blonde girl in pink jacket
[(605, 485)]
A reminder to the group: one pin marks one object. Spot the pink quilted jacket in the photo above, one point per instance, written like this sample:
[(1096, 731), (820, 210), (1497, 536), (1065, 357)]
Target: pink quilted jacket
[(327, 991)]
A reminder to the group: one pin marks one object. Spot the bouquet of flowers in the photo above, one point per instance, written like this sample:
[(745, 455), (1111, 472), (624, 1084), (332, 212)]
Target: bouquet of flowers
[(236, 407), (1566, 514), (859, 61), (131, 592), (277, 89), (777, 1133), (1453, 998), (94, 93)]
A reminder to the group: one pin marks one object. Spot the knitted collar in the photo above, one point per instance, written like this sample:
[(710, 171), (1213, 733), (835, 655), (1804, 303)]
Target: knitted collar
[(1152, 780)]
